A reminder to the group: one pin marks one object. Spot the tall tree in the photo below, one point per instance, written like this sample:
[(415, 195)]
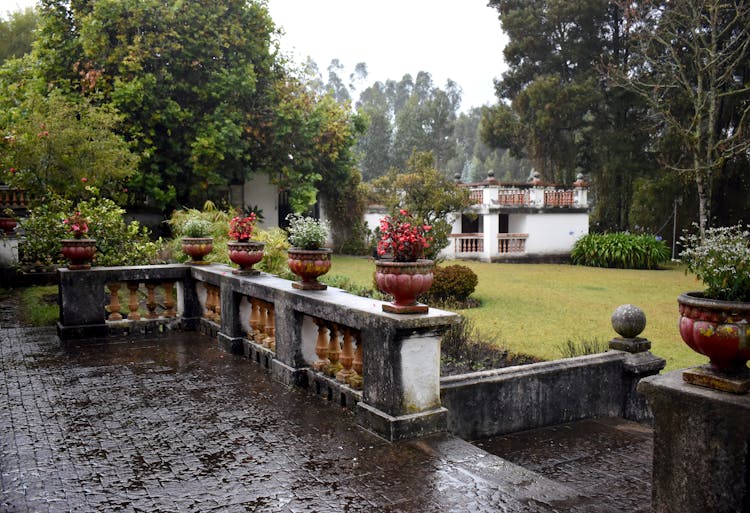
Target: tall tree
[(17, 33), (560, 114), (693, 70), (207, 100)]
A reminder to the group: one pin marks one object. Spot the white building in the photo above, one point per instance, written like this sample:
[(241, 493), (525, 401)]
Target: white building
[(512, 222)]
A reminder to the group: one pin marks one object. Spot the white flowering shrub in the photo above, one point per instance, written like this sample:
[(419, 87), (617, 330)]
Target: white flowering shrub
[(306, 232), (721, 260)]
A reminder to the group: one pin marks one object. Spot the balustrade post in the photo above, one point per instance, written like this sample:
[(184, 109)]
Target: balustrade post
[(261, 333), (334, 352), (151, 301), (114, 302), (169, 301), (321, 346), (133, 302), (268, 327), (347, 358), (254, 318), (355, 380)]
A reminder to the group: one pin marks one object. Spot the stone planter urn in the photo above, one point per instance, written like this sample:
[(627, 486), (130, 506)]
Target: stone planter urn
[(246, 255), (404, 281), (79, 252), (720, 331), (7, 225), (196, 248), (309, 264)]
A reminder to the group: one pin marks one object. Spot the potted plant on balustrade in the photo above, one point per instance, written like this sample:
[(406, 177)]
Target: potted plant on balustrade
[(714, 322), (307, 258), (402, 271), (196, 241), (79, 250), (243, 251)]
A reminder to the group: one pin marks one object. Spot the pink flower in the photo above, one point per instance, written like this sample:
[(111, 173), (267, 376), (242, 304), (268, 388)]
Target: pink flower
[(84, 179)]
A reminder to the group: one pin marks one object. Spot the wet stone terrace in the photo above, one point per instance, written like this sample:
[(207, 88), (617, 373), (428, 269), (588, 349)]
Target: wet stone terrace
[(177, 425)]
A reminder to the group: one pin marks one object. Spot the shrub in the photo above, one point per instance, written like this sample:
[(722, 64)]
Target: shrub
[(117, 242), (454, 282), (274, 253), (345, 283), (196, 227), (620, 250)]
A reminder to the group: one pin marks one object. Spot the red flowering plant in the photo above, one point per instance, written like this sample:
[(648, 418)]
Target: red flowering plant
[(77, 225), (241, 228), (403, 238)]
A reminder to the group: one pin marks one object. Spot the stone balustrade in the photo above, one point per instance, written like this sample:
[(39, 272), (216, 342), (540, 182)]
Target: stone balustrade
[(511, 243), (384, 366), (467, 243)]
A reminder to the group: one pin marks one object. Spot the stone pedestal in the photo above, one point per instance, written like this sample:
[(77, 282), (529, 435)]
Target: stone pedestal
[(701, 449), (8, 252)]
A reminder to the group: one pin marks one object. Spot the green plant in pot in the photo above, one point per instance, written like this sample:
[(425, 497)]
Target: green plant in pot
[(715, 322), (196, 239), (307, 258)]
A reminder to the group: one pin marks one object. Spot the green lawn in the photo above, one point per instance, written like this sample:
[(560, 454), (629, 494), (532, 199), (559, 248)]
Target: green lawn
[(536, 308)]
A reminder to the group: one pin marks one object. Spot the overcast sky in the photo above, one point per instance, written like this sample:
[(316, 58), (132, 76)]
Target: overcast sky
[(456, 39)]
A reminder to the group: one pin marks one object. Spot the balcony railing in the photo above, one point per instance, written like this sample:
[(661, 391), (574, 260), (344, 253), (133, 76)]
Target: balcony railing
[(16, 199), (511, 243), (531, 195), (513, 197), (558, 198), (467, 243), (343, 347)]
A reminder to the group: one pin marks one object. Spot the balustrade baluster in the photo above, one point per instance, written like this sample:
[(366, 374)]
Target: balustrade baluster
[(114, 302), (270, 329), (217, 305), (355, 380), (151, 301), (133, 302), (169, 302), (346, 358), (260, 334), (254, 318), (321, 345), (208, 310), (334, 352)]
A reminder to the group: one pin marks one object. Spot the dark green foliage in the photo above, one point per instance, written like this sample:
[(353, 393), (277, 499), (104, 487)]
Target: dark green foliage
[(456, 282), (344, 283), (620, 250)]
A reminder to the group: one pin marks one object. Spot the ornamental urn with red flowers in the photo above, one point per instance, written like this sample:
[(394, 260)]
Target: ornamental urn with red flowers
[(79, 250), (402, 271), (243, 251)]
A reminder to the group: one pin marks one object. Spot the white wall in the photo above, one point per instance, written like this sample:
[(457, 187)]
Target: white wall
[(549, 233), (259, 191)]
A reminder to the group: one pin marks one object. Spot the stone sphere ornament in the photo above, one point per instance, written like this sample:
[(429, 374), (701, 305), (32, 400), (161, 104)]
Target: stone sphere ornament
[(628, 321)]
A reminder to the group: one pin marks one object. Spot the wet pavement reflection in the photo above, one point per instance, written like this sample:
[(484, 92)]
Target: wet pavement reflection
[(177, 425)]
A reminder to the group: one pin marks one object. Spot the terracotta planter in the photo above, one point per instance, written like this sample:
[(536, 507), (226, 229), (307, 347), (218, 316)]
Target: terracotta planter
[(79, 252), (404, 281), (720, 331), (309, 264), (7, 225), (246, 255), (196, 248)]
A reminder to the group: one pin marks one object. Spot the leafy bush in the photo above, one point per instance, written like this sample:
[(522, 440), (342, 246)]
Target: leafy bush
[(620, 250), (117, 242), (196, 227), (274, 253), (456, 282)]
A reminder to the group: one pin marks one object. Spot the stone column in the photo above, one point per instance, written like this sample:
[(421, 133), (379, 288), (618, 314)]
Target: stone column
[(401, 382), (231, 336), (629, 321), (701, 450)]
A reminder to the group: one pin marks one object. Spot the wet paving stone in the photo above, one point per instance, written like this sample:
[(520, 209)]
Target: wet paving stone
[(609, 459), (177, 425)]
